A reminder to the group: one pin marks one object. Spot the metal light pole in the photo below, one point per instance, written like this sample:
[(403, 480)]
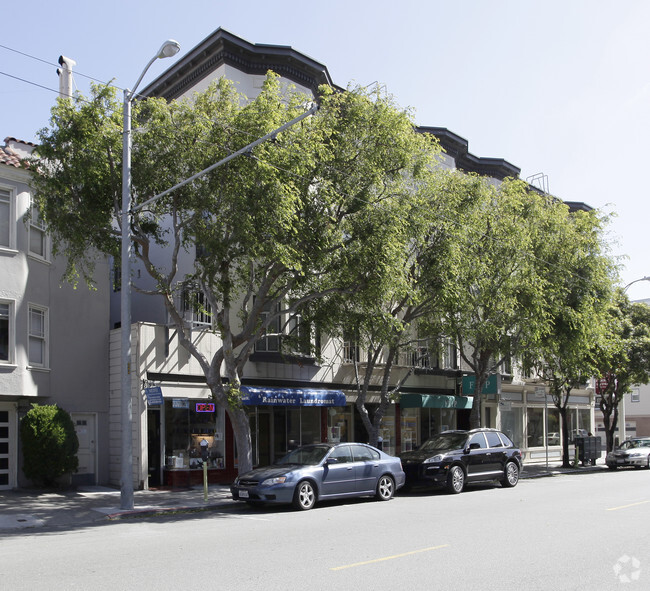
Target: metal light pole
[(636, 281), (167, 49)]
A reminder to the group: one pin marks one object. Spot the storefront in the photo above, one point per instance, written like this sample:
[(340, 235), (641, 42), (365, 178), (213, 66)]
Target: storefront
[(424, 415), (285, 418)]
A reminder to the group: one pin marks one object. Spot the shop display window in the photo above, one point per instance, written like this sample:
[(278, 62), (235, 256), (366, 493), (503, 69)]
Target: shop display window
[(409, 426), (338, 424), (191, 424), (512, 424)]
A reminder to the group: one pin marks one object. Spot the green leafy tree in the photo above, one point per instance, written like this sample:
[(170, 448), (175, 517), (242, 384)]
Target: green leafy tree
[(49, 443), (389, 331), (622, 358), (579, 275), (301, 218), (495, 300)]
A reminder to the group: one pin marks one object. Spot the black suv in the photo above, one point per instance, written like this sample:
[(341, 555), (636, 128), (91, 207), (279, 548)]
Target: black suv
[(452, 458)]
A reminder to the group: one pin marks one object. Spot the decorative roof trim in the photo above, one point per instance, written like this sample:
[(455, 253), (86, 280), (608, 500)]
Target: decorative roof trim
[(222, 47), (458, 148)]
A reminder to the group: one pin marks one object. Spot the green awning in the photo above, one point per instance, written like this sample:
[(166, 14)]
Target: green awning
[(435, 401)]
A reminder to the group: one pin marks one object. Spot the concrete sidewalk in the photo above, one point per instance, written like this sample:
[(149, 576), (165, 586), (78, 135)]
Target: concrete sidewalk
[(92, 505)]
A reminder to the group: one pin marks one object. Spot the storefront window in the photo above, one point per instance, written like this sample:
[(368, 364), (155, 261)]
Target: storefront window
[(435, 420), (535, 427), (584, 419), (553, 435), (339, 419), (512, 424), (191, 424), (409, 427), (386, 440)]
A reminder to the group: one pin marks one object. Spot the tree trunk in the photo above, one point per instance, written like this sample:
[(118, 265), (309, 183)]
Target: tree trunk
[(242, 429), (566, 458)]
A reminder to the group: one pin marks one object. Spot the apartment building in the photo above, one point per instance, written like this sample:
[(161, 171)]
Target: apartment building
[(53, 338)]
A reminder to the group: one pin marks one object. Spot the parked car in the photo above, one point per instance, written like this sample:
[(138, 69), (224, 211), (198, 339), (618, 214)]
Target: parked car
[(321, 471), (632, 452), (453, 458)]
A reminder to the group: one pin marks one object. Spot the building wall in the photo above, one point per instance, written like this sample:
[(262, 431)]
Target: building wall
[(74, 374)]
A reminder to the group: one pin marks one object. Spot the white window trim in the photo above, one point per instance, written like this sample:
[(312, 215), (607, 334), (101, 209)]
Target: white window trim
[(11, 247), (45, 337), (40, 227), (12, 334)]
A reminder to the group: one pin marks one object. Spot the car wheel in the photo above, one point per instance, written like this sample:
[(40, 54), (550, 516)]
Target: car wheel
[(305, 496), (385, 488), (455, 480), (511, 475), (612, 466)]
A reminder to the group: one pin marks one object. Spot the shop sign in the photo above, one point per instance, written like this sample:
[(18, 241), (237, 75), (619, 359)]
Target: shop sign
[(154, 395), (180, 403), (492, 386), (253, 396)]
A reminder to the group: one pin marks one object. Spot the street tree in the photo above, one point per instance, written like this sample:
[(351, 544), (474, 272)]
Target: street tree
[(622, 358), (389, 330), (578, 276), (495, 300), (300, 218)]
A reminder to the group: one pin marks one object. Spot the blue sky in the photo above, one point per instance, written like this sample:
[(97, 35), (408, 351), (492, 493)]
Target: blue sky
[(559, 87)]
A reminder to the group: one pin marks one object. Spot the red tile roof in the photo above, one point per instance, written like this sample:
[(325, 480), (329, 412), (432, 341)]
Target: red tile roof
[(10, 157)]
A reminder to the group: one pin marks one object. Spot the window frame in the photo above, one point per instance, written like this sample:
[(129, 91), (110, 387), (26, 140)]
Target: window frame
[(43, 338), (36, 225), (11, 332), (11, 218)]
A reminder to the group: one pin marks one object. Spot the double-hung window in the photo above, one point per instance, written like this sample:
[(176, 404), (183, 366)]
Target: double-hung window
[(37, 235), (6, 238), (38, 329), (6, 332)]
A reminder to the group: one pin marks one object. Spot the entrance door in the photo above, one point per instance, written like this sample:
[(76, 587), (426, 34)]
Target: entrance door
[(85, 427), (153, 447), (6, 480)]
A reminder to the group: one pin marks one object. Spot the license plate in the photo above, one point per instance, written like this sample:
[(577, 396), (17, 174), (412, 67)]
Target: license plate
[(243, 494), (620, 461)]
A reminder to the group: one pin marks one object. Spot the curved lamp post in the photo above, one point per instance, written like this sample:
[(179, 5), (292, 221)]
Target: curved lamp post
[(168, 49), (636, 281)]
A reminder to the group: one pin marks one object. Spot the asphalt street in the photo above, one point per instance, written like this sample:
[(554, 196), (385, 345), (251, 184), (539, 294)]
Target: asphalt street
[(583, 530)]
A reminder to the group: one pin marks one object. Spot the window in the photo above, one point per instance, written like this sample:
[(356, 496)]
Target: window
[(535, 427), (38, 336), (364, 454), (5, 218), (342, 454), (350, 348), (37, 236), (478, 439), (635, 396), (196, 307), (271, 342), (6, 330), (493, 439)]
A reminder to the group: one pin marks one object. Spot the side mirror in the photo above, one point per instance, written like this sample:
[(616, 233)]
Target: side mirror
[(332, 461)]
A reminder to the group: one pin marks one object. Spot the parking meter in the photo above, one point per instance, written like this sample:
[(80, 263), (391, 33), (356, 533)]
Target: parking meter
[(204, 450)]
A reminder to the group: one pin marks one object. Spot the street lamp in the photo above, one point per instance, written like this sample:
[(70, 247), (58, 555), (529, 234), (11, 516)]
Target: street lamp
[(168, 49), (636, 281)]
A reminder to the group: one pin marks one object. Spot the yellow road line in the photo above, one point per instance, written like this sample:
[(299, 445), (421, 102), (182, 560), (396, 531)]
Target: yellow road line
[(389, 557), (627, 506)]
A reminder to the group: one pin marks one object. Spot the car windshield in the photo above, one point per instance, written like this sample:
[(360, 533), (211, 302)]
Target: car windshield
[(634, 443), (445, 441), (309, 455)]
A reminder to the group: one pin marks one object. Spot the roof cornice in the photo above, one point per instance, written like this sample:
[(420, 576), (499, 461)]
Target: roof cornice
[(222, 47)]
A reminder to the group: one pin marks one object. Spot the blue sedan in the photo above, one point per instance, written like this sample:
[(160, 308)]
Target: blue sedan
[(322, 471)]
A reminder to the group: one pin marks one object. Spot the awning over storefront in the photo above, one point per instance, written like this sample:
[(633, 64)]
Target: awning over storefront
[(435, 401), (254, 396)]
